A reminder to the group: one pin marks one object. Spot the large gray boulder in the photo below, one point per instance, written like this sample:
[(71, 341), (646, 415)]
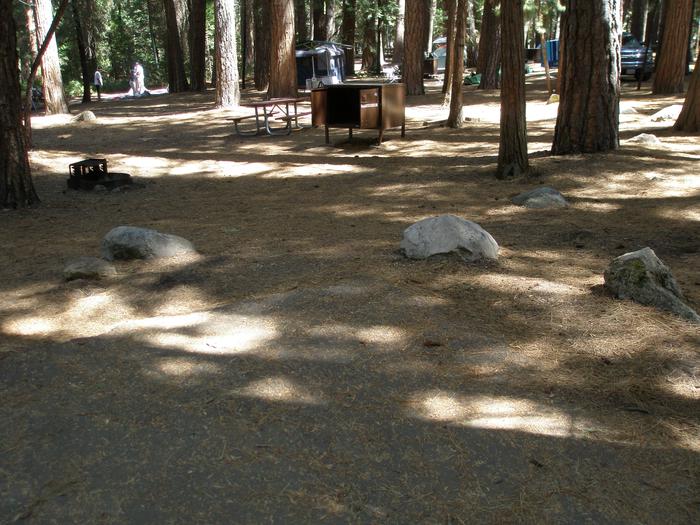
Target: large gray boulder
[(88, 268), (85, 116), (448, 234), (642, 277), (129, 242), (645, 139), (543, 197)]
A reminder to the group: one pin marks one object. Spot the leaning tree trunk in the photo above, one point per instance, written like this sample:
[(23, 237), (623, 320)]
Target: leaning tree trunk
[(283, 71), (455, 119), (177, 81), (227, 91), (588, 116), (329, 19), (413, 47), (370, 59), (689, 119), (347, 30), (670, 66), (512, 152), (319, 29), (489, 47), (16, 187), (397, 57), (198, 45), (450, 26), (261, 72), (54, 97)]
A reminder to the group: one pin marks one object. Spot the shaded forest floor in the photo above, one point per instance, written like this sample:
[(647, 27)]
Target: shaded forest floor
[(300, 370)]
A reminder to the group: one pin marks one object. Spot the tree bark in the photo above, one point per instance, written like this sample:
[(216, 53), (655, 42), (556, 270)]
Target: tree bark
[(589, 65), (670, 66), (16, 186), (430, 25), (414, 44), (250, 36), (639, 17), (348, 34), (397, 56), (455, 118), (198, 45), (489, 47), (177, 80), (227, 91), (302, 20), (471, 38), (689, 119), (512, 151), (370, 59), (283, 71), (329, 19), (319, 30), (82, 53), (450, 27), (54, 97), (261, 73)]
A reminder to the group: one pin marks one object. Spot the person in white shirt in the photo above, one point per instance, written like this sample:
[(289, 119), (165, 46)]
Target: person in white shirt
[(139, 84), (98, 84)]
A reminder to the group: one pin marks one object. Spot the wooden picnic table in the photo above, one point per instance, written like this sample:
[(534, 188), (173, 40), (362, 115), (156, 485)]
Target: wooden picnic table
[(284, 109)]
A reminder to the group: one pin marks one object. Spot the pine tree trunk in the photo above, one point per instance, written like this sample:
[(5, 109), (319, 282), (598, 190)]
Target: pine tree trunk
[(670, 66), (369, 45), (82, 53), (227, 91), (54, 97), (639, 17), (177, 80), (347, 31), (250, 36), (489, 47), (329, 19), (16, 186), (589, 65), (512, 152), (302, 20), (431, 25), (414, 44), (471, 38), (261, 73), (455, 119), (397, 57), (450, 26), (198, 45), (689, 119), (283, 71), (319, 31)]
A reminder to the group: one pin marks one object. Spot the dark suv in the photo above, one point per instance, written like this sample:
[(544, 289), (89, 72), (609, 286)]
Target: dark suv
[(633, 63)]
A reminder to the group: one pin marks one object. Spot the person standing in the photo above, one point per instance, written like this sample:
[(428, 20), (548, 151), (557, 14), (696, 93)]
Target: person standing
[(98, 84), (139, 82)]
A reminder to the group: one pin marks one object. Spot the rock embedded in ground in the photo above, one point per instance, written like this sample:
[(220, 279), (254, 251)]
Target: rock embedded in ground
[(544, 197), (84, 116), (129, 242), (644, 278), (646, 139), (667, 113), (448, 234), (88, 268)]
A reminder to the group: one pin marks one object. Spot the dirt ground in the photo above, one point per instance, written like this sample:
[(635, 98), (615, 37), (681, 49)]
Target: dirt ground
[(300, 370)]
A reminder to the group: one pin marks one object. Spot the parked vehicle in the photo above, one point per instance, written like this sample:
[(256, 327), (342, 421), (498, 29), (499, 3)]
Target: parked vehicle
[(636, 59)]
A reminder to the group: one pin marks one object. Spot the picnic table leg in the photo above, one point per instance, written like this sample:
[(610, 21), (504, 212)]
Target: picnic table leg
[(281, 131), (381, 135), (328, 139), (403, 128)]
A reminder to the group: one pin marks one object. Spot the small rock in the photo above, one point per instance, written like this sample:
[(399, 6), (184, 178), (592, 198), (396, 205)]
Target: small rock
[(628, 110), (448, 234), (128, 242), (646, 139), (642, 277), (668, 113), (84, 116), (543, 197), (553, 98), (88, 268)]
